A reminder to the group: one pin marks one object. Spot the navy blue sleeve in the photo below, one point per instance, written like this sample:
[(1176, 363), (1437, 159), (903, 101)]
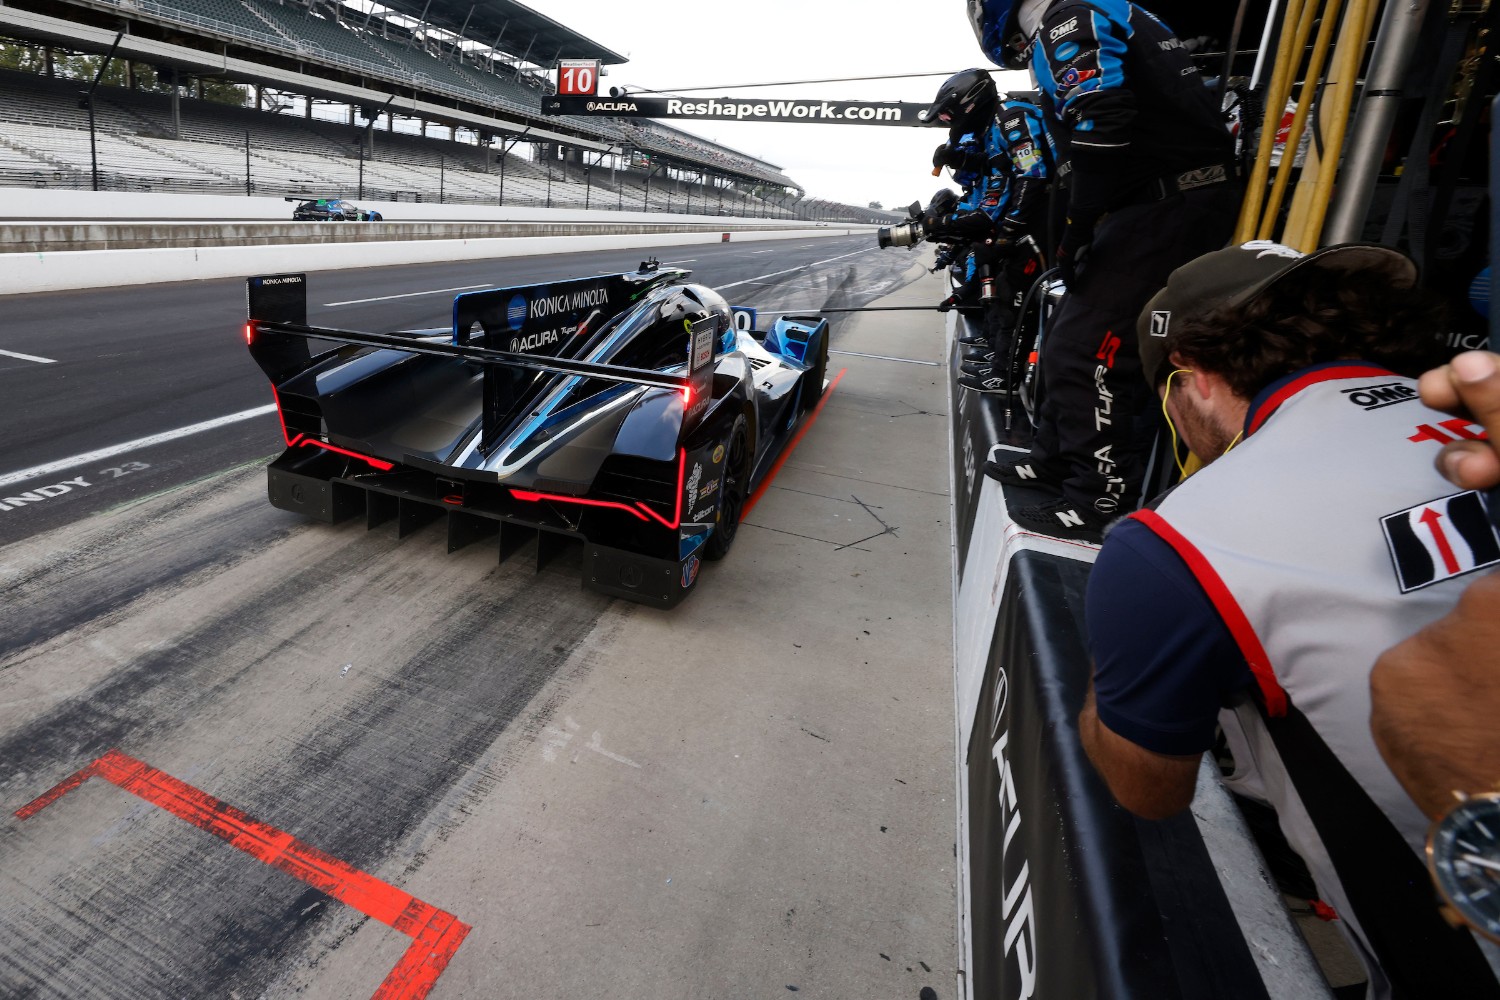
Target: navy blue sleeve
[(1164, 662)]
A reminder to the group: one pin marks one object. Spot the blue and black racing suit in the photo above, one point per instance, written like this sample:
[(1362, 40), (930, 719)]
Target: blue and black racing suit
[(1007, 204), (1147, 161)]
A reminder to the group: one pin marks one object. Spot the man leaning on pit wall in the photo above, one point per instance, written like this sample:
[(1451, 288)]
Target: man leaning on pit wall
[(1271, 580)]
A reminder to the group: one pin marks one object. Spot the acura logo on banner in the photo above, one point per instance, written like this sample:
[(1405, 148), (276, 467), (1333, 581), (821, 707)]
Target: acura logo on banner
[(755, 109)]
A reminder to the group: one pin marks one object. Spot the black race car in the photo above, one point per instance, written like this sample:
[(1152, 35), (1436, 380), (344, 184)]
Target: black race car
[(631, 412), (331, 210)]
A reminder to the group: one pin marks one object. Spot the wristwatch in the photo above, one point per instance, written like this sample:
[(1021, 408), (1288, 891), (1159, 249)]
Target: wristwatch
[(1463, 855)]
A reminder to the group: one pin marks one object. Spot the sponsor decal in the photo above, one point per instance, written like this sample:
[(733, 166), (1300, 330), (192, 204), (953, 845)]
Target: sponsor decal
[(1168, 44), (530, 342), (718, 454), (1066, 51), (1270, 248), (1439, 540), (612, 106), (689, 572), (288, 279), (1018, 910), (1159, 320), (1075, 76), (693, 480), (1013, 136), (703, 342), (781, 110), (701, 516), (1025, 157), (709, 490), (1063, 30), (1376, 397), (515, 311), (1450, 430), (550, 305)]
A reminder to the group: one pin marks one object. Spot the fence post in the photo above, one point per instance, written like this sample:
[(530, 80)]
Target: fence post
[(249, 185), (442, 176)]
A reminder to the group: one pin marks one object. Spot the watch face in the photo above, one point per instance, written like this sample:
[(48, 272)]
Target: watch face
[(1464, 853)]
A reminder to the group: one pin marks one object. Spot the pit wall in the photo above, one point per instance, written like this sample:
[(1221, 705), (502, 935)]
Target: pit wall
[(46, 204), (51, 271)]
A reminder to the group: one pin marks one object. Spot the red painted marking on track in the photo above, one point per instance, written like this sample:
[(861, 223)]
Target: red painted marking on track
[(765, 483), (436, 934)]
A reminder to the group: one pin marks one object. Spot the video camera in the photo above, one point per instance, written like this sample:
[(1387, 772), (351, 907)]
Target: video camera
[(903, 234), (914, 230)]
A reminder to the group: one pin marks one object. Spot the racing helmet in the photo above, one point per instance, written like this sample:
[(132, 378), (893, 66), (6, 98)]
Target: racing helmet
[(998, 29), (945, 202), (694, 303), (965, 102)]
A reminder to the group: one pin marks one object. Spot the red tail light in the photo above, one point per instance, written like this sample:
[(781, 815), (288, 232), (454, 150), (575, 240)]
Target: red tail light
[(249, 333)]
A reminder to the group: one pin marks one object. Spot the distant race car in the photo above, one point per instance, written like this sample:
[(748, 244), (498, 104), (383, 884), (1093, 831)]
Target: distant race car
[(627, 411), (330, 210)]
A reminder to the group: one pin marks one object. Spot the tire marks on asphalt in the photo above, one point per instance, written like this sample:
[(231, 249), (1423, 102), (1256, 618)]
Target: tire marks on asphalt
[(231, 643)]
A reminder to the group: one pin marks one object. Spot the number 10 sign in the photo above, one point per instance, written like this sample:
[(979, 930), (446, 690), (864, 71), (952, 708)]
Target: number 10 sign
[(578, 77)]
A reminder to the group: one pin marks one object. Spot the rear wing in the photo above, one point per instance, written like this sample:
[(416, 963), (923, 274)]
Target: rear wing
[(279, 338)]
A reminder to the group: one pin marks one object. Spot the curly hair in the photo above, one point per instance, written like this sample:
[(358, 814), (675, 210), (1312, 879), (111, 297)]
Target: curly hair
[(1310, 316)]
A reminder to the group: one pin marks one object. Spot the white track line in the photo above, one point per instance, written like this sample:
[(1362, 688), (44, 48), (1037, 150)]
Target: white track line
[(789, 270), (408, 295), (37, 471), (28, 357), (886, 357)]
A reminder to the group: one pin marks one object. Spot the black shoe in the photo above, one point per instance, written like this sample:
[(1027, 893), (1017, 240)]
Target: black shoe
[(989, 381), (1061, 518), (974, 340), (1022, 471), (977, 367), (982, 357)]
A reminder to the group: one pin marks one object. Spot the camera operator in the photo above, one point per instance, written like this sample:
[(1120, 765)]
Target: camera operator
[(1006, 204), (1148, 164)]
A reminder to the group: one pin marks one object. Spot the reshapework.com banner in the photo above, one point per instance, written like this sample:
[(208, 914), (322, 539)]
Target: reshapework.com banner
[(738, 109)]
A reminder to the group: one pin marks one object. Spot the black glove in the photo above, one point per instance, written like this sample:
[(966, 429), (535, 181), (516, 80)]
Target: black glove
[(1074, 249), (942, 156), (947, 304)]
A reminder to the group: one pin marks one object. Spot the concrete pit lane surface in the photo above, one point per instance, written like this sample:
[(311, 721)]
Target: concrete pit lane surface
[(332, 764)]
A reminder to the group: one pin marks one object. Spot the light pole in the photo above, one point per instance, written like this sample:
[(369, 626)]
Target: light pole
[(88, 102)]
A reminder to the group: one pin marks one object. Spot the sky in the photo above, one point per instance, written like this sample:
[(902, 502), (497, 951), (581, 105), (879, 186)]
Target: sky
[(768, 41)]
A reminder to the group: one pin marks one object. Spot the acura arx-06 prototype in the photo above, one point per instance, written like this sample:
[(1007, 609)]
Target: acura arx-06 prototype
[(630, 412), (331, 210)]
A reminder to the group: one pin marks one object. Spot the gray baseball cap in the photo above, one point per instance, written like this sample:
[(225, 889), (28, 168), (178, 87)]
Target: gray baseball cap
[(1235, 275)]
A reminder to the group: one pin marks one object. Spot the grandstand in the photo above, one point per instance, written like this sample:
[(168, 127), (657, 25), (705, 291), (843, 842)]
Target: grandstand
[(353, 95)]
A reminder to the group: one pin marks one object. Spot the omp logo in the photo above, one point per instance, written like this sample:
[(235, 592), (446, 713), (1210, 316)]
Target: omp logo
[(611, 106), (1066, 28), (568, 302), (515, 311), (1169, 44), (1375, 397), (811, 110)]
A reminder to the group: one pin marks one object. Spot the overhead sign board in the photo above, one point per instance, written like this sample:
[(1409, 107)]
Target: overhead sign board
[(755, 109)]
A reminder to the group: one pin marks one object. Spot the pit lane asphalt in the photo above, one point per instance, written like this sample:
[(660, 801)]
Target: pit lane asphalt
[(747, 795), (131, 363)]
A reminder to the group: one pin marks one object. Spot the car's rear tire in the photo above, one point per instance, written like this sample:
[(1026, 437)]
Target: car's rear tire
[(734, 493)]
